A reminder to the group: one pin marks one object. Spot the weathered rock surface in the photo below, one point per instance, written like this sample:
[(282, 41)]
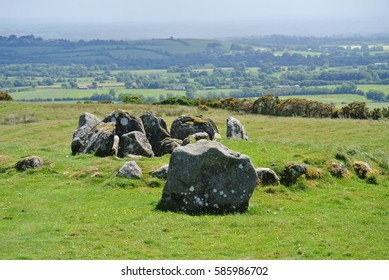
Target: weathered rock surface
[(155, 129), (86, 123), (135, 143), (168, 145), (292, 172), (267, 176), (187, 125), (29, 163), (124, 122), (130, 170), (207, 177), (235, 130), (100, 140), (161, 172), (191, 139), (338, 170), (362, 169)]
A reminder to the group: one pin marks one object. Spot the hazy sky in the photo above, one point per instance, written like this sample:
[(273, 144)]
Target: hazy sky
[(190, 10), (192, 18)]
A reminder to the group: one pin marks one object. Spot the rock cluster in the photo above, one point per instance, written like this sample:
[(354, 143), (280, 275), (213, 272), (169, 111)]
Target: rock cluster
[(122, 134)]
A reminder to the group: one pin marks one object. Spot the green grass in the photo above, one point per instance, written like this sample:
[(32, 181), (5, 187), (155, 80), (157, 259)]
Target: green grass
[(61, 212), (367, 87), (79, 93)]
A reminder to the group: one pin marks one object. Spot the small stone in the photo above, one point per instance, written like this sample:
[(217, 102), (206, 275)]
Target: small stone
[(32, 162), (130, 170)]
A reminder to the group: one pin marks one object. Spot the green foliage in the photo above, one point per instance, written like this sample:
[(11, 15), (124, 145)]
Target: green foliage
[(355, 110), (131, 98)]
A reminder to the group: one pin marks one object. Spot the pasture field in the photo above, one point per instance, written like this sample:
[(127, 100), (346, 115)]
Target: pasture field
[(80, 93), (65, 211), (382, 88)]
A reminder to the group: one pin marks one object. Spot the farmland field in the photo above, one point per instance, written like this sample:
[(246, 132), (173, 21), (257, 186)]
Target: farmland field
[(64, 211)]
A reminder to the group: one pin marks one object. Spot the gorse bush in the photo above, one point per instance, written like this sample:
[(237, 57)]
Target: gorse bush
[(5, 96)]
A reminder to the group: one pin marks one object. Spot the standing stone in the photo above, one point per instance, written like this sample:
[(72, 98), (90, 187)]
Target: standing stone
[(130, 170), (156, 130), (207, 177), (187, 125), (86, 123), (135, 143), (124, 122), (32, 162), (235, 130)]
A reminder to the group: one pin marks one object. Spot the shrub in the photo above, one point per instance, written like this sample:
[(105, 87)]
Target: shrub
[(203, 107), (5, 96)]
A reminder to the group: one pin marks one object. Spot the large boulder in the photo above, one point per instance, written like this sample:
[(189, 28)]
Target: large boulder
[(100, 140), (86, 123), (32, 162), (155, 129), (130, 170), (235, 130), (187, 125), (135, 143), (124, 122), (207, 177)]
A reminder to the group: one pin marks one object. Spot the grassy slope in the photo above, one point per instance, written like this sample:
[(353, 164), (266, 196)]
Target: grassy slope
[(61, 212)]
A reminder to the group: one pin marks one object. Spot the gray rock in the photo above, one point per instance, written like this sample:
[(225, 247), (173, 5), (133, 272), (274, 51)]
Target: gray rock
[(362, 169), (207, 177), (161, 172), (292, 172), (115, 146), (29, 163), (168, 145), (235, 130), (130, 170), (156, 130), (135, 143), (187, 125), (191, 139), (338, 170), (124, 122), (267, 176), (86, 123), (101, 140)]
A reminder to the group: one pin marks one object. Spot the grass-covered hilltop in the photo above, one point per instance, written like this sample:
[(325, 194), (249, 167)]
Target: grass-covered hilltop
[(75, 207)]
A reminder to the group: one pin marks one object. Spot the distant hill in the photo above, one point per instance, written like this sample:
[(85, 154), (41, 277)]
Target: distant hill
[(153, 53)]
